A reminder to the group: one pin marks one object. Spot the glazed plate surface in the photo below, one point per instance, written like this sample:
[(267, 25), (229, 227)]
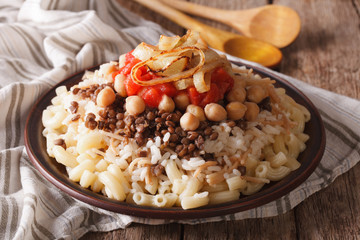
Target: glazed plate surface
[(55, 173)]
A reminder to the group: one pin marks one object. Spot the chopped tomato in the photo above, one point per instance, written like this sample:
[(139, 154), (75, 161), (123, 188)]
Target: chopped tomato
[(223, 81), (151, 96), (130, 62), (195, 96), (213, 95), (131, 87), (167, 88), (114, 74), (127, 68), (201, 99), (147, 76)]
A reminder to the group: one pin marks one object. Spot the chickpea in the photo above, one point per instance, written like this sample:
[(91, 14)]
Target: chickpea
[(239, 81), (236, 110), (252, 111), (105, 97), (119, 85), (196, 111), (182, 101), (215, 112), (256, 93), (236, 94), (166, 104), (134, 105), (189, 122)]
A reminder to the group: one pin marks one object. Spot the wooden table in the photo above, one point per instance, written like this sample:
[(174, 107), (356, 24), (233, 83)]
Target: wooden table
[(326, 54)]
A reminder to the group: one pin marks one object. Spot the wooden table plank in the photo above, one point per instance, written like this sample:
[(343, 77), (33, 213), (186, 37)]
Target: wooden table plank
[(249, 228), (326, 54), (139, 231), (152, 16), (159, 232), (226, 5), (333, 213), (267, 228)]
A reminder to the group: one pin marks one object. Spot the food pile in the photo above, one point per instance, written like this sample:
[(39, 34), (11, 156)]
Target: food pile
[(175, 125)]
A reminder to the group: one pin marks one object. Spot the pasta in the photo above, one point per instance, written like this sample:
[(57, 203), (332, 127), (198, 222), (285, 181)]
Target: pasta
[(195, 201), (175, 125), (223, 197), (236, 183), (76, 172), (87, 179)]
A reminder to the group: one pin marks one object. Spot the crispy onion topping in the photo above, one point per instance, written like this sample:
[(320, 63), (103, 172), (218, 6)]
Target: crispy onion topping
[(174, 77), (185, 61)]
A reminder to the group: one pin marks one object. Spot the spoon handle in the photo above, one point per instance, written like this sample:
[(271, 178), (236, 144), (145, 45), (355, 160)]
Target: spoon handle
[(228, 42), (214, 37), (172, 14), (199, 10)]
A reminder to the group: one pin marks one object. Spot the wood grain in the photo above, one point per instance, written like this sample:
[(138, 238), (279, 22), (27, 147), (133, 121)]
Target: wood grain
[(228, 5), (250, 228), (139, 231), (259, 229), (333, 213), (326, 54), (152, 16)]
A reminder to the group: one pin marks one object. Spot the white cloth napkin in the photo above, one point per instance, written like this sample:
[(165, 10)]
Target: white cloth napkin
[(44, 41)]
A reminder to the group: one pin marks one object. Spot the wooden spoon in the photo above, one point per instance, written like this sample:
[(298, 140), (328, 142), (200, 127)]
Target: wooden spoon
[(275, 24), (231, 43)]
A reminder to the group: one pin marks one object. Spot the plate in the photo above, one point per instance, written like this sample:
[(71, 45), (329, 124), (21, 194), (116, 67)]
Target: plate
[(55, 173)]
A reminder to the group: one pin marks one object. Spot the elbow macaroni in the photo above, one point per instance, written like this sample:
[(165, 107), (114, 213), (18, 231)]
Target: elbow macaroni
[(99, 161)]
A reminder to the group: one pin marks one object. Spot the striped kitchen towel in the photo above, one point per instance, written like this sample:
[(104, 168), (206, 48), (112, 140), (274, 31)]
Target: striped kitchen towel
[(44, 41)]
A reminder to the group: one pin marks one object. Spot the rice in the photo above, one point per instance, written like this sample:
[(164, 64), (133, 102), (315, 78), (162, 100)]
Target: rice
[(236, 172), (185, 177), (214, 168), (166, 156), (155, 154), (145, 164), (166, 137), (173, 156), (158, 141)]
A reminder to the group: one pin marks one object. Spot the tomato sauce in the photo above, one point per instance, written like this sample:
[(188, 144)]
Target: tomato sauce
[(221, 82)]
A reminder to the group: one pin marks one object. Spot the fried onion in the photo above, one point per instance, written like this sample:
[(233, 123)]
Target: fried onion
[(185, 61), (172, 78)]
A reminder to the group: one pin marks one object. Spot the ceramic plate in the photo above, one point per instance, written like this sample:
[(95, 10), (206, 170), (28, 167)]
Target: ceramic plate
[(55, 173)]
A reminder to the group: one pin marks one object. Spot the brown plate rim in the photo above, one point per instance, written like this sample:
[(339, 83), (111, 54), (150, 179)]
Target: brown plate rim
[(264, 196)]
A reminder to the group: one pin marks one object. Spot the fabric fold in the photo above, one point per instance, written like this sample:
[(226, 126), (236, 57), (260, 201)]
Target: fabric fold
[(44, 41)]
